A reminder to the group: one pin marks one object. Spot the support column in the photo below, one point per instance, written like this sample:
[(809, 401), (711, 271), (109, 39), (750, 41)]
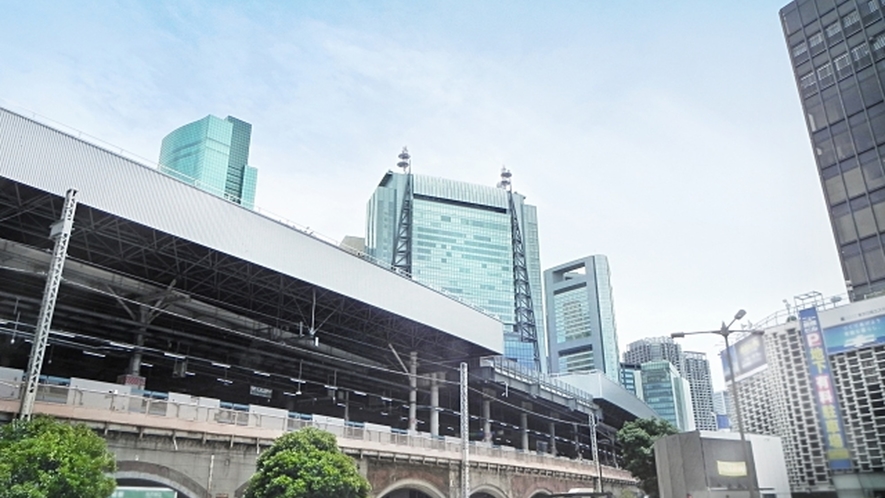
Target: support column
[(346, 406), (413, 392), (577, 442), (434, 404), (524, 428), (487, 420), (553, 438)]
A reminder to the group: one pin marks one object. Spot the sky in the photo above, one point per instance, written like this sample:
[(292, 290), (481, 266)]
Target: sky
[(666, 135)]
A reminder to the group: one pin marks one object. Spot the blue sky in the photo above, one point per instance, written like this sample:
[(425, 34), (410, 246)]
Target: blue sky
[(666, 135)]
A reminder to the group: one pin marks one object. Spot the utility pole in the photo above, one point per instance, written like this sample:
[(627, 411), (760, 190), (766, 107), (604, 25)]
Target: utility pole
[(465, 436), (61, 233), (595, 449)]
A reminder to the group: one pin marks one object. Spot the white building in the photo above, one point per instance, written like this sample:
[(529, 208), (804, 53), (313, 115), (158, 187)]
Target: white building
[(815, 379)]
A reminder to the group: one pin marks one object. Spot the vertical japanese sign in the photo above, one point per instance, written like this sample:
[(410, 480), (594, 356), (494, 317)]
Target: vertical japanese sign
[(824, 390)]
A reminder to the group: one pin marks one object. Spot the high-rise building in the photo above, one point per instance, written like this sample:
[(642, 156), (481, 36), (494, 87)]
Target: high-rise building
[(837, 50), (581, 330), (655, 349), (696, 370), (668, 394), (477, 243), (213, 155), (721, 399), (817, 383), (631, 379)]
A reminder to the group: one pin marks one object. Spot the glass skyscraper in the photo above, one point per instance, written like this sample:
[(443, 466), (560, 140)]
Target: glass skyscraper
[(668, 394), (462, 244), (213, 154), (837, 49), (582, 334)]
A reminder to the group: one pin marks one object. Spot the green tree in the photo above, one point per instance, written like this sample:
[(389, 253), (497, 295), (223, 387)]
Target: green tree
[(637, 439), (45, 458), (306, 464)]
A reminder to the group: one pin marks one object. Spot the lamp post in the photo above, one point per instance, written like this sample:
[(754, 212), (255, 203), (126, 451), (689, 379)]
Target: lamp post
[(725, 331)]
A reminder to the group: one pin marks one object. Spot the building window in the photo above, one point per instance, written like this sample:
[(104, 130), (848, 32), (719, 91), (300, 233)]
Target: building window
[(879, 47), (851, 22), (833, 30), (845, 230), (861, 56), (833, 185), (843, 66), (816, 43), (808, 84), (863, 139), (869, 11), (825, 75), (800, 52)]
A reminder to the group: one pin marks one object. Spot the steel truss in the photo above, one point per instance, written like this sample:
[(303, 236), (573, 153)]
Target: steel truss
[(280, 301)]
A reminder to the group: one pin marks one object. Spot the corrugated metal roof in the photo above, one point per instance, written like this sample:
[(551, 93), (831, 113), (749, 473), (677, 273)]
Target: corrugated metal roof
[(52, 161)]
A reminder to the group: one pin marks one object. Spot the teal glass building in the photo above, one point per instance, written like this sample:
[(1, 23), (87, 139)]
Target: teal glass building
[(668, 394), (213, 154), (462, 245)]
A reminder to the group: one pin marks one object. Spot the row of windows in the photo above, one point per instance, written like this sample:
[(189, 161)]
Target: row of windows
[(835, 32), (810, 11), (842, 66)]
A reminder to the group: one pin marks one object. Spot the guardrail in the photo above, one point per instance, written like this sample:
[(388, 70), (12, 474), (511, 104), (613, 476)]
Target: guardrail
[(274, 422), (529, 376)]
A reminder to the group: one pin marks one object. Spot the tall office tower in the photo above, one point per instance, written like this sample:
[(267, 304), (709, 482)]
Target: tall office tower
[(668, 394), (696, 370), (474, 242), (838, 59), (581, 330), (212, 154), (655, 349), (631, 378)]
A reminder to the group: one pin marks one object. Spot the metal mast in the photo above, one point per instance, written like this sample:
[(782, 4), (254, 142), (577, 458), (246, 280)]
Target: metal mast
[(402, 244), (524, 325), (61, 233)]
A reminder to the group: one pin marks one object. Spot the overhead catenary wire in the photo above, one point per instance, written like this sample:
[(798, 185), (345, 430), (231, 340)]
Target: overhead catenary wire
[(313, 352)]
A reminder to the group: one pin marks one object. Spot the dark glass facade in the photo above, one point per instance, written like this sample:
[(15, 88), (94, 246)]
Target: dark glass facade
[(837, 49)]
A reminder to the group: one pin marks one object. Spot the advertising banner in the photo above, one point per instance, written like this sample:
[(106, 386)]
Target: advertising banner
[(824, 390), (858, 325), (748, 357)]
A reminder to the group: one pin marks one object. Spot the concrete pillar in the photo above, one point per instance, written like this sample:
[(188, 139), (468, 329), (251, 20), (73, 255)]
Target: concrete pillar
[(434, 404), (135, 359), (413, 392), (577, 442), (553, 438), (524, 427), (487, 420), (347, 406)]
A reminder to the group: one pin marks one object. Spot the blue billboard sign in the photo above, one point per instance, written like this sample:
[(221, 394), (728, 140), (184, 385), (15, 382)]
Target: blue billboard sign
[(855, 335), (748, 357), (824, 389)]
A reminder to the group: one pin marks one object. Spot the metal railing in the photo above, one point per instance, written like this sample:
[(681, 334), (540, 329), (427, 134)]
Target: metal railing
[(529, 376), (160, 409)]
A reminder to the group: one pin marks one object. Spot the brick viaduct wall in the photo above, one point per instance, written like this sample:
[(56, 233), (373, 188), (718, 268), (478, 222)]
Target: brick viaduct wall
[(213, 468)]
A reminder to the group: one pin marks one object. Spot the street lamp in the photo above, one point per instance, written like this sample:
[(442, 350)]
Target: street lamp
[(725, 331)]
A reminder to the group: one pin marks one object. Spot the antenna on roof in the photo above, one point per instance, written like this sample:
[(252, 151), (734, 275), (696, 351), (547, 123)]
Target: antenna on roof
[(505, 178), (405, 160)]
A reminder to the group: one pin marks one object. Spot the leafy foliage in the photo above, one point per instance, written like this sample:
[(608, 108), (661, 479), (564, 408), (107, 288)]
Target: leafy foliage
[(637, 439), (45, 458), (306, 464)]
